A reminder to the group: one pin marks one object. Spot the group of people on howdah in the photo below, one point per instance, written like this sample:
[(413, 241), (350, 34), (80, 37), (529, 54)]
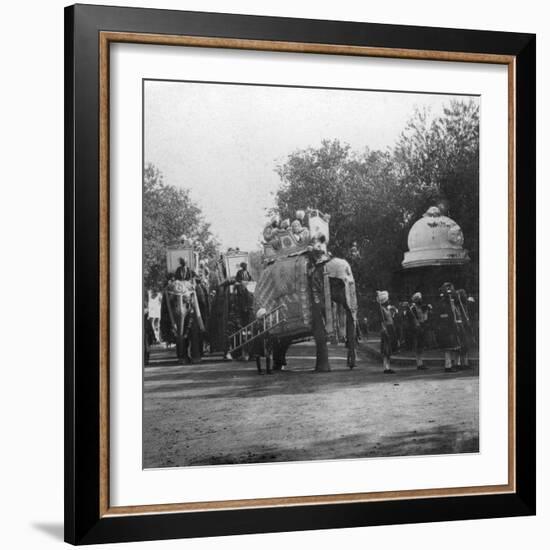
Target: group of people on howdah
[(302, 292)]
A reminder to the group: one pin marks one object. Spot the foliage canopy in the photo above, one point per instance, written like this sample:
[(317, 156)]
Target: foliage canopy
[(168, 213), (375, 196)]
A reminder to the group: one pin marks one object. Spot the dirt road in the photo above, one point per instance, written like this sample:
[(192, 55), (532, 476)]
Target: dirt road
[(225, 413)]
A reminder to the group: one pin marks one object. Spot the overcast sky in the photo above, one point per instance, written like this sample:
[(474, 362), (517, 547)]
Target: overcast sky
[(223, 141)]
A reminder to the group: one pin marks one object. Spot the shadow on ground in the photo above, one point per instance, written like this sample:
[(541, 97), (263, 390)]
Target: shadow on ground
[(244, 382), (435, 441), (225, 413)]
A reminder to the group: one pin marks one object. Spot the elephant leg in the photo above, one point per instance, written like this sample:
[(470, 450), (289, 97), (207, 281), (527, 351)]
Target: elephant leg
[(185, 339), (351, 339), (181, 347), (275, 355), (283, 354), (465, 350), (194, 337), (201, 343), (180, 340), (322, 362), (185, 358), (463, 357), (268, 361), (278, 354), (145, 353)]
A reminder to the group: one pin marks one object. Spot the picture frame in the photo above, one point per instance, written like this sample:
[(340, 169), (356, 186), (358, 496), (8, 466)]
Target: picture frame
[(89, 33)]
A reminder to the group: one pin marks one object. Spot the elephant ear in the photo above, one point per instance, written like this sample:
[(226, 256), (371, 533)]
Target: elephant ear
[(339, 268), (285, 283)]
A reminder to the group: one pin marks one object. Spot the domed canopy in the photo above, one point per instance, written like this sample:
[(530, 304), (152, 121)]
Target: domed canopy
[(435, 240)]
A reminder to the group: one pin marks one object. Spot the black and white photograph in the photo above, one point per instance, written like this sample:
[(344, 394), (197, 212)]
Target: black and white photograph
[(310, 273), (289, 266)]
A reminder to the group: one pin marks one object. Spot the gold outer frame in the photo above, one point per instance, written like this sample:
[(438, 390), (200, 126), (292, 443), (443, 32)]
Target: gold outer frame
[(105, 39)]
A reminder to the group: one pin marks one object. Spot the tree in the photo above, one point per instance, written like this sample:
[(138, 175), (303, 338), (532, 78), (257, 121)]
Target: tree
[(374, 197), (318, 178), (168, 213), (440, 159), (357, 190)]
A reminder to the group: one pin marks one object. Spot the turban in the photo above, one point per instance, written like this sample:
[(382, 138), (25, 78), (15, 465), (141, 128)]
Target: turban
[(447, 287)]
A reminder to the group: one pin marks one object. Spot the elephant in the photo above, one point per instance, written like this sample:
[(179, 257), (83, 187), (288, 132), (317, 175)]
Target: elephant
[(303, 284), (179, 320), (232, 308)]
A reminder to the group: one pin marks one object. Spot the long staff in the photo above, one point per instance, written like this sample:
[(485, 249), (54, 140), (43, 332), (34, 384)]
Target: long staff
[(198, 311), (457, 321), (467, 317)]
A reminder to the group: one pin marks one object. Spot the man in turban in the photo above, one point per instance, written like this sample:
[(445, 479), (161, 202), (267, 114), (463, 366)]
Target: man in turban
[(261, 345), (419, 318), (449, 326), (388, 336)]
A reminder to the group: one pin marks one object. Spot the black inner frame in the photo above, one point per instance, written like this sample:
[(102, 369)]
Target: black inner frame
[(83, 524)]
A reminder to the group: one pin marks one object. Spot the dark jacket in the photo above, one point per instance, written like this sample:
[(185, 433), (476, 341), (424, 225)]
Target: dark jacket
[(243, 275), (183, 273)]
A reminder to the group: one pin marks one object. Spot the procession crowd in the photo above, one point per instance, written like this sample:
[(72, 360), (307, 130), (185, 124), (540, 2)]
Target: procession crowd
[(185, 311), (449, 324)]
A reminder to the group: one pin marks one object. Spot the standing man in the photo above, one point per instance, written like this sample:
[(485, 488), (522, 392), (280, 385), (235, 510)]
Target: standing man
[(467, 305), (261, 346), (146, 335), (388, 336), (243, 300), (354, 252), (154, 313), (449, 325), (466, 329), (419, 316), (243, 276)]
